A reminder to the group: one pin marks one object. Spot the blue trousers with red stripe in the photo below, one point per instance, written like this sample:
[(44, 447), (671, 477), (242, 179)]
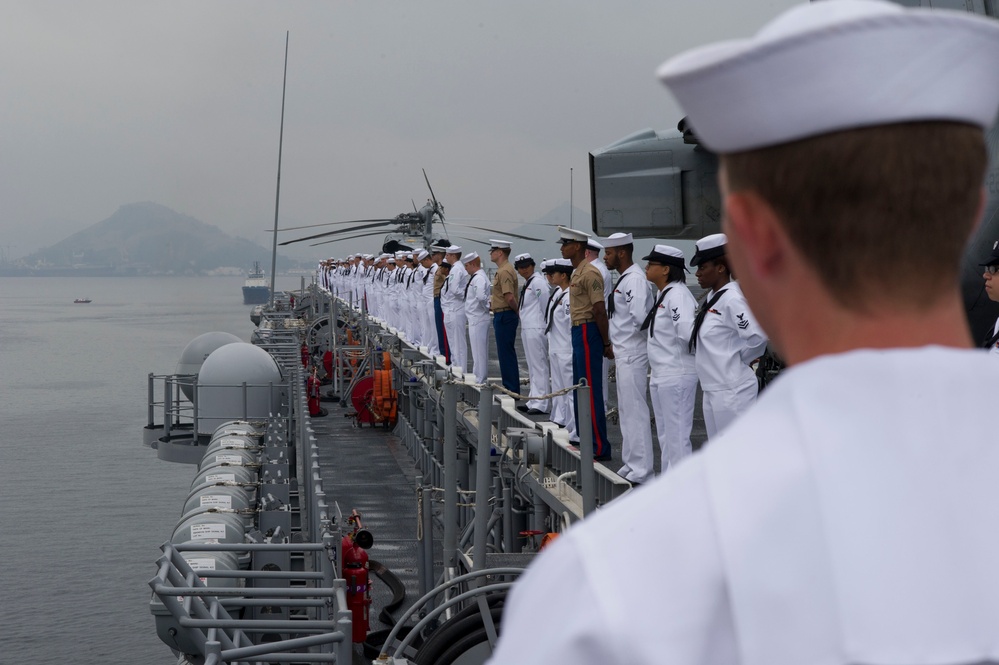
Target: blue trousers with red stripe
[(587, 363), (441, 334)]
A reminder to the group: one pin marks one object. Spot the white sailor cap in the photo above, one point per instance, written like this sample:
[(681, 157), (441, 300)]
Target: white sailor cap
[(438, 249), (544, 264), (498, 244), (468, 258), (709, 248), (422, 254), (667, 255), (827, 66), (618, 240), (391, 261), (565, 234), (454, 249), (523, 260), (368, 257), (594, 245)]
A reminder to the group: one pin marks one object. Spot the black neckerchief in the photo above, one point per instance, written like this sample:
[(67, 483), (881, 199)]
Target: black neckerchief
[(650, 318), (426, 276), (523, 290), (469, 284), (990, 341), (551, 317), (701, 313), (548, 305), (610, 305)]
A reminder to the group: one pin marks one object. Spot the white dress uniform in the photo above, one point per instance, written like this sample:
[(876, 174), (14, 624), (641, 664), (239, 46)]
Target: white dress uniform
[(533, 299), (729, 339), (632, 300), (476, 294), (427, 310), (673, 385), (405, 303), (414, 321), (453, 304), (559, 331), (827, 525)]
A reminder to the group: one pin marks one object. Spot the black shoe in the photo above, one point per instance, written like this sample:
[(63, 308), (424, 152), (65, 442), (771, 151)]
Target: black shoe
[(535, 412), (522, 408), (602, 458)]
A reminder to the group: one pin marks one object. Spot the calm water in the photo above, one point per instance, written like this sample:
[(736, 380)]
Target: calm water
[(83, 505)]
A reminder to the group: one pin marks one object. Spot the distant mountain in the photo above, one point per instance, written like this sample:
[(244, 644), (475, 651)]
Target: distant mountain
[(148, 238)]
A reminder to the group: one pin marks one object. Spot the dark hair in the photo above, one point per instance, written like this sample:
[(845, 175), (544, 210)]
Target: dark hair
[(676, 274), (865, 206)]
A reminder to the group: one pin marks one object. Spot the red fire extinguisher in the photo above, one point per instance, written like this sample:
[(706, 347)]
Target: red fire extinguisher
[(328, 363), (305, 355), (354, 568), (312, 390)]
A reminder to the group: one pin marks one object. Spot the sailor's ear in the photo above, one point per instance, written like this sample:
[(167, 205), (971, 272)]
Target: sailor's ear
[(757, 243)]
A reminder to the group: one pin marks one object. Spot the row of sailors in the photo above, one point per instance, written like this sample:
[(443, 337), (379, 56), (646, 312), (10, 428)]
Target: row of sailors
[(573, 319)]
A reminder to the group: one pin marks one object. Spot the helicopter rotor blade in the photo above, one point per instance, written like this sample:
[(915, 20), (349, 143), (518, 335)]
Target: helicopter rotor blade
[(437, 207), (349, 221), (359, 235), (481, 242), (506, 233), (347, 230)]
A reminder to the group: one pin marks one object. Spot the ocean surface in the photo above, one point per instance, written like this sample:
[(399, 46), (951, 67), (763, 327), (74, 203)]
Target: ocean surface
[(84, 505)]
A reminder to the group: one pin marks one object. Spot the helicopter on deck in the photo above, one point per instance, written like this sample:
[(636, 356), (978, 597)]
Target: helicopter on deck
[(413, 230)]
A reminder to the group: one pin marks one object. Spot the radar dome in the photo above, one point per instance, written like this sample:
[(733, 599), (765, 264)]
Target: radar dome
[(220, 386), (195, 353)]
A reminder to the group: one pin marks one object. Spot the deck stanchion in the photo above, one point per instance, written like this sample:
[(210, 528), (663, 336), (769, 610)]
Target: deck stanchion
[(450, 474), (482, 485), (586, 451)]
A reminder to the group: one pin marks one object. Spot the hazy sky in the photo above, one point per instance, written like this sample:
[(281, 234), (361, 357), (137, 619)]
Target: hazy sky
[(107, 103)]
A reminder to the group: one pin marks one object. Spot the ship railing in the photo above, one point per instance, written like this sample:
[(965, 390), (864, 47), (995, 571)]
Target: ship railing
[(209, 616), (180, 416), (304, 608)]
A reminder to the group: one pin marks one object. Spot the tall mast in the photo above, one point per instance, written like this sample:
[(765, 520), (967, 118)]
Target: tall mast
[(277, 195)]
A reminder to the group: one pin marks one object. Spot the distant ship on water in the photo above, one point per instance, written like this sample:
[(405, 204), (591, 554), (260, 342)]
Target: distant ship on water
[(256, 290)]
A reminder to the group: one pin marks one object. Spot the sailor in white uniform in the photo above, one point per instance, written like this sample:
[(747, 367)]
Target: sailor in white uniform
[(726, 338), (533, 298), (627, 307), (426, 313), (991, 266), (849, 517), (593, 249), (453, 304), (558, 329), (476, 298), (669, 324)]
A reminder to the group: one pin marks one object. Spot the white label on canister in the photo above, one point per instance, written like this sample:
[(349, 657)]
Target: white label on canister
[(201, 564), (228, 459), (216, 501), (203, 531), (220, 478), (232, 442)]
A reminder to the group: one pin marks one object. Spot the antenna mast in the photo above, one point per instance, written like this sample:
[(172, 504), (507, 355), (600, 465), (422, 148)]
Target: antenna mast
[(277, 195), (570, 197)]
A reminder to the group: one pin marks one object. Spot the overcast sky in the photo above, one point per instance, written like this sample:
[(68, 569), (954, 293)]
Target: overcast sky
[(108, 103)]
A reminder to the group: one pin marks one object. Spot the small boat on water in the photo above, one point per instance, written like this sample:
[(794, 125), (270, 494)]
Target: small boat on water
[(82, 301), (256, 289)]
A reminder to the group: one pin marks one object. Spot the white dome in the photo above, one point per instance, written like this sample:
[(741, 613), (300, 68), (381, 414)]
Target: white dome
[(220, 386), (197, 351)]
